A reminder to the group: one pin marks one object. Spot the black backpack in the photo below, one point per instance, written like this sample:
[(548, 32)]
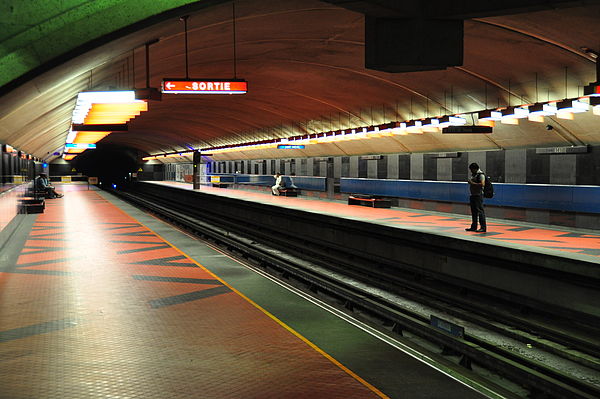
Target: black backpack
[(488, 188)]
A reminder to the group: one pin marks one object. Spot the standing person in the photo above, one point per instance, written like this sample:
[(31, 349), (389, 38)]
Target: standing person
[(278, 183), (42, 184), (476, 183)]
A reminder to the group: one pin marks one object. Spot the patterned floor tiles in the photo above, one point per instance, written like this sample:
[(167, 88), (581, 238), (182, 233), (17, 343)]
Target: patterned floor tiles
[(98, 306)]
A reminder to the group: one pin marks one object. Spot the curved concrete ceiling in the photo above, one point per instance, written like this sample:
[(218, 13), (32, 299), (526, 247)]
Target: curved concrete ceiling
[(304, 61)]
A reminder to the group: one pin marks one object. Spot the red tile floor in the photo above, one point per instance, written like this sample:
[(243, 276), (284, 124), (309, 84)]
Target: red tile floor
[(525, 235), (97, 305)]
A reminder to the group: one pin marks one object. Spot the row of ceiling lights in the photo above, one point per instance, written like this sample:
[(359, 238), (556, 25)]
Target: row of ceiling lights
[(511, 115), (100, 108)]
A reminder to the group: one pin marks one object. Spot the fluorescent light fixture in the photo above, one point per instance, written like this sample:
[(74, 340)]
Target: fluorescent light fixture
[(430, 125), (538, 111), (452, 120), (74, 150), (350, 135), (114, 113), (511, 115), (414, 127), (89, 137), (430, 122), (85, 100), (572, 106), (489, 115), (399, 129), (514, 113), (542, 109)]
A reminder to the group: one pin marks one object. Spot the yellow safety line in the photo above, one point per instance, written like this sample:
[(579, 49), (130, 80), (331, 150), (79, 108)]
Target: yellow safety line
[(281, 323)]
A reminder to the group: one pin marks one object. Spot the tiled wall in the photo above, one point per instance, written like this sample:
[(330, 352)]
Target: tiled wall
[(504, 166), (521, 166)]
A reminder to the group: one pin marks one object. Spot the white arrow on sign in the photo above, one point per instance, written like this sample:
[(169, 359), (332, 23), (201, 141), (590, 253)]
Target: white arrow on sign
[(169, 85)]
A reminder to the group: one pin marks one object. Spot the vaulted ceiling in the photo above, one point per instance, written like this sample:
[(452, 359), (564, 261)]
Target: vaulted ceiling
[(305, 66)]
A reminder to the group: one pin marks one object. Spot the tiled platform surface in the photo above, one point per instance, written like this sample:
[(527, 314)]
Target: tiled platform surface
[(559, 241), (94, 304)]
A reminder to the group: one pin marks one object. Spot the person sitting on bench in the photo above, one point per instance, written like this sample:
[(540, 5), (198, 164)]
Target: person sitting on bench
[(279, 184), (42, 184)]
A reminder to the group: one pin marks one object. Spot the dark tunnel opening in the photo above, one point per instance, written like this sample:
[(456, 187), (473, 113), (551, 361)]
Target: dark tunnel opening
[(111, 164)]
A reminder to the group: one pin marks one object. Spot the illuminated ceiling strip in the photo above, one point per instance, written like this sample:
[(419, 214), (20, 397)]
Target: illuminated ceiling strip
[(85, 137), (114, 113), (169, 155), (74, 150), (508, 115), (87, 98), (89, 137)]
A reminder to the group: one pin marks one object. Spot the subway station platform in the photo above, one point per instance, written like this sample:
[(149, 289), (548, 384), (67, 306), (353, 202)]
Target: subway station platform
[(553, 240), (102, 300)]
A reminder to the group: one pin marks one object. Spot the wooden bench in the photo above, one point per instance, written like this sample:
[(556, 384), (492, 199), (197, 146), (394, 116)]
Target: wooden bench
[(369, 200)]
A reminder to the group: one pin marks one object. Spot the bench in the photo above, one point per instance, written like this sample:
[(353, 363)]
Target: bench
[(38, 194), (288, 192), (369, 200), (30, 205)]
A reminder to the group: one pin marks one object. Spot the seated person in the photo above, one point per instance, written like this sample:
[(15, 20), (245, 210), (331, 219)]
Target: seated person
[(42, 184), (279, 184)]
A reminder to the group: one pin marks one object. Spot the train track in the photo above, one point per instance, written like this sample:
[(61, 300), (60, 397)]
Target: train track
[(518, 353)]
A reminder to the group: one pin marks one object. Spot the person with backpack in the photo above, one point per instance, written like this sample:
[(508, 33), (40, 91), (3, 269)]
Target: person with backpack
[(476, 186)]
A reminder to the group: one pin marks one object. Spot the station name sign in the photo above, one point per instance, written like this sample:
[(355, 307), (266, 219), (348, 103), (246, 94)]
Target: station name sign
[(204, 86), (290, 146)]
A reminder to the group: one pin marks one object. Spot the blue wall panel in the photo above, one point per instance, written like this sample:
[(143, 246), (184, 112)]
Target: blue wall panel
[(538, 196)]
